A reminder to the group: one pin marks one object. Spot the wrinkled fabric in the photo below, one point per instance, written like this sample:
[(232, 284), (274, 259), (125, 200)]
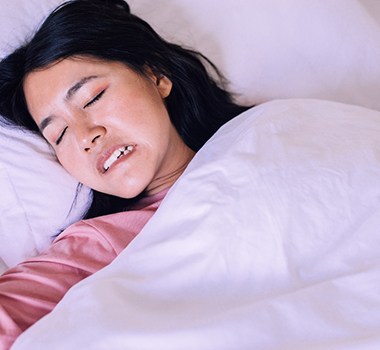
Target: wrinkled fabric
[(269, 240)]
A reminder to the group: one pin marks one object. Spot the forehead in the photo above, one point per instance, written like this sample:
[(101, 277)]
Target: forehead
[(42, 87), (68, 70)]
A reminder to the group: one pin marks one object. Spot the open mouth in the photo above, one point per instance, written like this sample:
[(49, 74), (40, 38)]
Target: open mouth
[(117, 154)]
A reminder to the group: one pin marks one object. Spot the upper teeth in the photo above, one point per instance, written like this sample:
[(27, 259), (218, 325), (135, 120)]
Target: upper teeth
[(116, 155)]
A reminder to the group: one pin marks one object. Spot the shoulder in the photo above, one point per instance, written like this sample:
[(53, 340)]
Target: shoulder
[(116, 230)]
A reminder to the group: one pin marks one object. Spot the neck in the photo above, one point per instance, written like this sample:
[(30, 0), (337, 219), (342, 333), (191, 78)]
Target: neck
[(170, 178)]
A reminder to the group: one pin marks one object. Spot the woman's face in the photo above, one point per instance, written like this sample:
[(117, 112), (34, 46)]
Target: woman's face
[(108, 125)]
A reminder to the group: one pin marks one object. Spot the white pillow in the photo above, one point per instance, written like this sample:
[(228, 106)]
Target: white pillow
[(273, 49), (268, 49), (37, 196), (18, 20)]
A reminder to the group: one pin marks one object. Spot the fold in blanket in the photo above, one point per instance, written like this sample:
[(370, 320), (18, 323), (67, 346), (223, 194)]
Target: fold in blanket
[(268, 241)]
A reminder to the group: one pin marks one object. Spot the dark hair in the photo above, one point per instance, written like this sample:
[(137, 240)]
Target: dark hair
[(197, 105)]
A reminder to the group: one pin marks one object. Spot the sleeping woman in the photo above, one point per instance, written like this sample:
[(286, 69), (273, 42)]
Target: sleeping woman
[(125, 111)]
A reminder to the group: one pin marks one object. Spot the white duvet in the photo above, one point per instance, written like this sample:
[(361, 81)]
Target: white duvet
[(270, 240)]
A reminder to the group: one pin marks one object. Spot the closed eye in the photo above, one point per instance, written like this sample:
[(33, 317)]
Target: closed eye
[(95, 99), (60, 137)]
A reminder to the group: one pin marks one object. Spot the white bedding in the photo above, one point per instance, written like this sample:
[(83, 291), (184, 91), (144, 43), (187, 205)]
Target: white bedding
[(270, 240), (268, 49)]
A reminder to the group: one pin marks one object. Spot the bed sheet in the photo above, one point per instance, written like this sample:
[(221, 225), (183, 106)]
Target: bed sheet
[(268, 241)]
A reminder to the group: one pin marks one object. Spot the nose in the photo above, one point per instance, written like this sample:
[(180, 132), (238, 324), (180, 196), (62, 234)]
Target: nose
[(90, 137)]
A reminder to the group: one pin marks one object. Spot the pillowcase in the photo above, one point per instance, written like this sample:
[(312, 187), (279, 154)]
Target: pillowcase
[(38, 196), (267, 49), (281, 49), (18, 20)]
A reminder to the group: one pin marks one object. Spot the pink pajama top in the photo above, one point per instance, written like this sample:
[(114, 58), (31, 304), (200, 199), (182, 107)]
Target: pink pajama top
[(33, 288)]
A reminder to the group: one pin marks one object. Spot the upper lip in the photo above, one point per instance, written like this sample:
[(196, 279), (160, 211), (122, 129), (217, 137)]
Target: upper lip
[(106, 154)]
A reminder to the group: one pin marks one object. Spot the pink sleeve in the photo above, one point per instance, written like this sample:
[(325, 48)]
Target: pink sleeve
[(32, 289)]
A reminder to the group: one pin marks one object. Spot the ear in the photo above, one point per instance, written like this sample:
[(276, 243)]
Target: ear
[(163, 83)]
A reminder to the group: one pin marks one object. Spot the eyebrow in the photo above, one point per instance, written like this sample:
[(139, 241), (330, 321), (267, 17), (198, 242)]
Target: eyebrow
[(69, 95), (45, 122), (71, 92)]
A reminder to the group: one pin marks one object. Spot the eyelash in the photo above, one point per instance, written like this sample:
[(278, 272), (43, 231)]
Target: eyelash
[(95, 99), (59, 139)]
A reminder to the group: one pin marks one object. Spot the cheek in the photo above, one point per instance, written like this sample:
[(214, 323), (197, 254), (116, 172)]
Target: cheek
[(69, 162)]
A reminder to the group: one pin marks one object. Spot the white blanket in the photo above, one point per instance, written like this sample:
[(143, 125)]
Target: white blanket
[(270, 240)]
